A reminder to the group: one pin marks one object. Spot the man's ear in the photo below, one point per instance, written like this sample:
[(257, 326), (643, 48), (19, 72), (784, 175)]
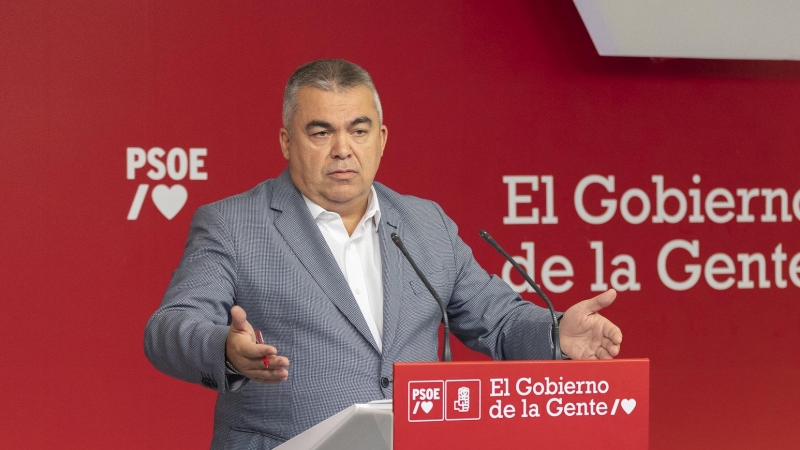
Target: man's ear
[(284, 140), (384, 137)]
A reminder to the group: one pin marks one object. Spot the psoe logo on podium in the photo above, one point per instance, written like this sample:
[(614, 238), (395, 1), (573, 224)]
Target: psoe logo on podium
[(463, 399), (426, 401)]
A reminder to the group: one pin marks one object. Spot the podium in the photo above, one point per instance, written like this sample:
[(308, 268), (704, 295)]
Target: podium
[(501, 404), (359, 427)]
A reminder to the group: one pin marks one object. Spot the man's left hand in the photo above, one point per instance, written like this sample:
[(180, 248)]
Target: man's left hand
[(585, 334)]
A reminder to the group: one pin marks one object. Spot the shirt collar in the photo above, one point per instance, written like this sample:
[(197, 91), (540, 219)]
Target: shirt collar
[(373, 208)]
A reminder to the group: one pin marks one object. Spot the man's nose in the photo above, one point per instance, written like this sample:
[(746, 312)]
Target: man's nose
[(341, 147)]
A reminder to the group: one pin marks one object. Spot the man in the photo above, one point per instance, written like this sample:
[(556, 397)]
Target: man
[(307, 259)]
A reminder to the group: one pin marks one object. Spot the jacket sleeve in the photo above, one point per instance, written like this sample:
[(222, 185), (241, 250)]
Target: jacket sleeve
[(185, 337), (487, 315)]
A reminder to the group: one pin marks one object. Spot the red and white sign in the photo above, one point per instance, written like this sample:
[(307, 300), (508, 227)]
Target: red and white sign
[(513, 403), (425, 401)]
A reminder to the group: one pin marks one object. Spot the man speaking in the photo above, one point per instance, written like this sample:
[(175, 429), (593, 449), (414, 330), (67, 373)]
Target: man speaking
[(307, 260)]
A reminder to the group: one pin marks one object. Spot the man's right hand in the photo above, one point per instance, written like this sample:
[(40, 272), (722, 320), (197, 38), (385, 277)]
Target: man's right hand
[(247, 356)]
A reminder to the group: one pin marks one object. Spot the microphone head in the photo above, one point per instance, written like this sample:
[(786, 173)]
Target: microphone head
[(486, 236), (398, 242)]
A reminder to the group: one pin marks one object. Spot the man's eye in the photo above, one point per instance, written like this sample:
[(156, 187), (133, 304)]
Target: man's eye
[(360, 132), (321, 134)]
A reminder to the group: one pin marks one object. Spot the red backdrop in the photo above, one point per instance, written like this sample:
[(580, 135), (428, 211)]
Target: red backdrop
[(472, 92)]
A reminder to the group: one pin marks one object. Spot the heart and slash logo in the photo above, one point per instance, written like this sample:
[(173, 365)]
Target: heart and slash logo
[(426, 401), (628, 404), (169, 200), (177, 165)]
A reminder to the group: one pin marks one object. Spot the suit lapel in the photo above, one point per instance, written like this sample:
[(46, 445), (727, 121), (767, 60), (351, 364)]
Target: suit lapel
[(392, 268), (302, 235)]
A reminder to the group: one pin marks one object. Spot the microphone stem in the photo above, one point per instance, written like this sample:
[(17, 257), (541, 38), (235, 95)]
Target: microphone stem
[(556, 335), (446, 356)]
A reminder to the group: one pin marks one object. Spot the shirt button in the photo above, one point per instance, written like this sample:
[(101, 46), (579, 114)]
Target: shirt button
[(358, 290), (384, 382)]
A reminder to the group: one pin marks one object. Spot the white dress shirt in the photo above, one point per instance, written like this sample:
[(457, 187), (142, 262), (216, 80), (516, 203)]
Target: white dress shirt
[(359, 258)]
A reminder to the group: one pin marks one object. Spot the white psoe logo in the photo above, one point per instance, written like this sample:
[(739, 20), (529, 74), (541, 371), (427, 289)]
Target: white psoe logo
[(177, 164), (462, 403)]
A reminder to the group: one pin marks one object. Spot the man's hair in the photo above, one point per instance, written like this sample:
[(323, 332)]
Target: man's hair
[(328, 75)]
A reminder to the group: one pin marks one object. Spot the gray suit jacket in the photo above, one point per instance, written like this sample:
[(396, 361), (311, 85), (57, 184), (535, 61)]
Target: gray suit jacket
[(263, 251)]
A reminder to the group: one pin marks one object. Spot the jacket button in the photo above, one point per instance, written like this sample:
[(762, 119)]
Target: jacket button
[(384, 382)]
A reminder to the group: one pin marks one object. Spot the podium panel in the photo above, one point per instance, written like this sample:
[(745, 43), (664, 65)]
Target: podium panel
[(522, 404)]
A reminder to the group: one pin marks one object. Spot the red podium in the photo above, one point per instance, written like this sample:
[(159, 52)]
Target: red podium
[(499, 405), (522, 404)]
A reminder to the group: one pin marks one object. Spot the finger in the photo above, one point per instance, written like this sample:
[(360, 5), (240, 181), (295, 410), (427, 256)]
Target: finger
[(274, 377), (256, 366), (602, 353), (276, 362), (239, 320), (605, 332), (271, 375), (609, 346), (257, 351), (601, 301), (614, 334)]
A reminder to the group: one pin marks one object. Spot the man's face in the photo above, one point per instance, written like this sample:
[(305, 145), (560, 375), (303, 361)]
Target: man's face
[(334, 147)]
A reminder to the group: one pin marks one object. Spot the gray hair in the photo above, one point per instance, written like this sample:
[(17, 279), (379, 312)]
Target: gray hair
[(328, 75)]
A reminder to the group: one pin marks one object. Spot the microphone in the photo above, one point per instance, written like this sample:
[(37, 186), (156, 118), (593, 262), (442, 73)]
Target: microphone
[(556, 340), (446, 347)]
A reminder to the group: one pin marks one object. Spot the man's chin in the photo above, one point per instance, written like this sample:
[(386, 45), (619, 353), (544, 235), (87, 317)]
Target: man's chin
[(346, 195)]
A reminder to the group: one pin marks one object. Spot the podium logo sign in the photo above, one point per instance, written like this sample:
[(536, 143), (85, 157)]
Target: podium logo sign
[(446, 400), (440, 400), (463, 399), (449, 404), (425, 401)]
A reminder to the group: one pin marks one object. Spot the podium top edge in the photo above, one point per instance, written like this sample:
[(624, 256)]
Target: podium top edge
[(510, 362)]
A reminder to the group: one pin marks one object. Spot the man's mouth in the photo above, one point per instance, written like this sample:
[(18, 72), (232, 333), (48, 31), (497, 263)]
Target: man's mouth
[(342, 174)]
